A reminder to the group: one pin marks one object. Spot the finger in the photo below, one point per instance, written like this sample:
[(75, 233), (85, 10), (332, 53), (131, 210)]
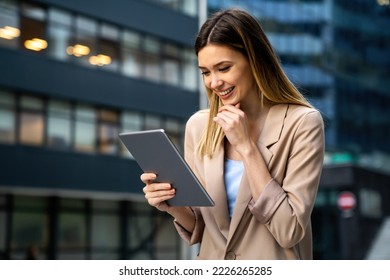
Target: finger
[(227, 119), (156, 187), (230, 108), (222, 120), (228, 116), (158, 194), (147, 177), (233, 113), (158, 202), (155, 201)]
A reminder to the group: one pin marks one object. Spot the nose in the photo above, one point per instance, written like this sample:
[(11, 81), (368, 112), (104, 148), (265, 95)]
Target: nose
[(215, 82)]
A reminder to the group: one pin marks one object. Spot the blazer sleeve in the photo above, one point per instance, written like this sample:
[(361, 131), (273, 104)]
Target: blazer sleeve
[(285, 207), (192, 135)]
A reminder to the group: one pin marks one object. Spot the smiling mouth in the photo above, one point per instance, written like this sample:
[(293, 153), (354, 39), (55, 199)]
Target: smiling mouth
[(226, 92)]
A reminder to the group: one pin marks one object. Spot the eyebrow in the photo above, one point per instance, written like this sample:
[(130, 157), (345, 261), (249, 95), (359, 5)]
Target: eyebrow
[(216, 65)]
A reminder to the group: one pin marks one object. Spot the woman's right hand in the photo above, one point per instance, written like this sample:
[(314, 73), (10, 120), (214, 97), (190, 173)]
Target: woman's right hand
[(157, 193)]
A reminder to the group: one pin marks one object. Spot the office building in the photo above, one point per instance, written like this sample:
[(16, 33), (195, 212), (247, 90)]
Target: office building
[(337, 53), (74, 74)]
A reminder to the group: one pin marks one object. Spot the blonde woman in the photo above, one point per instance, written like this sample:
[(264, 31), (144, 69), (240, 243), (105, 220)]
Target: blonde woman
[(258, 150)]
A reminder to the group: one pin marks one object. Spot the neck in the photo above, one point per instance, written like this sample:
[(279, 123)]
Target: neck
[(256, 116), (254, 111)]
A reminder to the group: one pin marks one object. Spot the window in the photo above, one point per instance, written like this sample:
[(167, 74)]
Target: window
[(60, 32), (132, 55), (190, 7), (7, 117), (59, 125), (85, 128), (31, 121), (32, 24), (140, 229), (29, 225), (72, 230), (85, 41), (370, 203), (80, 39), (9, 24), (152, 59), (108, 131), (72, 235), (105, 237), (190, 71), (166, 247), (131, 121), (152, 122), (109, 48), (171, 65), (175, 131)]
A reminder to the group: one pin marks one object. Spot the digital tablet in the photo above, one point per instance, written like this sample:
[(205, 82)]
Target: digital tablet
[(156, 153)]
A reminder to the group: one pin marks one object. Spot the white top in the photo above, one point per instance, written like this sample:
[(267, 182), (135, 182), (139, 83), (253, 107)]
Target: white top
[(233, 174)]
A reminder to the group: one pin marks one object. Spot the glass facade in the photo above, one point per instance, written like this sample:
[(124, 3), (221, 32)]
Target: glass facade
[(337, 53), (85, 229), (88, 203), (76, 38), (63, 125), (7, 117), (361, 62), (59, 125), (189, 7), (31, 129), (299, 32)]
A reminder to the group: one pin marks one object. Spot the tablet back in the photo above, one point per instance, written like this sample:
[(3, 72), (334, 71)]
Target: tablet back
[(155, 152)]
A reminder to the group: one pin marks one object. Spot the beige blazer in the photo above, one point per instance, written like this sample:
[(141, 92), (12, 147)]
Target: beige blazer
[(277, 225)]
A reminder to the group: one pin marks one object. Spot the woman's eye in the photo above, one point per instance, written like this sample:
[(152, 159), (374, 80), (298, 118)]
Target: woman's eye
[(205, 73), (224, 69)]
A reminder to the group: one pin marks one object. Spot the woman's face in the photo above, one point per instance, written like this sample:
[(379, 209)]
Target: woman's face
[(227, 73)]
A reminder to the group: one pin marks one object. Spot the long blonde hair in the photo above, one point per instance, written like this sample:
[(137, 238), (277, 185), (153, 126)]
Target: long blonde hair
[(240, 31)]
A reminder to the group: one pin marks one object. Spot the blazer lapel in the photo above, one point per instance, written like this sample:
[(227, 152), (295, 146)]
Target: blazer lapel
[(273, 125), (214, 170), (270, 135)]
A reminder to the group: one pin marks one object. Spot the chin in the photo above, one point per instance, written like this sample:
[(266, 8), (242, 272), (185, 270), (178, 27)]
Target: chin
[(230, 102)]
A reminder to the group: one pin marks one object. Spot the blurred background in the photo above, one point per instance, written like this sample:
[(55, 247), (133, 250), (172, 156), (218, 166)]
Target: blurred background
[(73, 74)]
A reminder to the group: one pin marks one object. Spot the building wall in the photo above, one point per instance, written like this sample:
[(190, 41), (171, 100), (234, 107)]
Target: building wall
[(337, 53), (67, 180), (360, 60)]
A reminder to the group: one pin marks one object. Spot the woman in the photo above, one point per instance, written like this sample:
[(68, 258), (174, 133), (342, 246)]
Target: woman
[(258, 150)]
